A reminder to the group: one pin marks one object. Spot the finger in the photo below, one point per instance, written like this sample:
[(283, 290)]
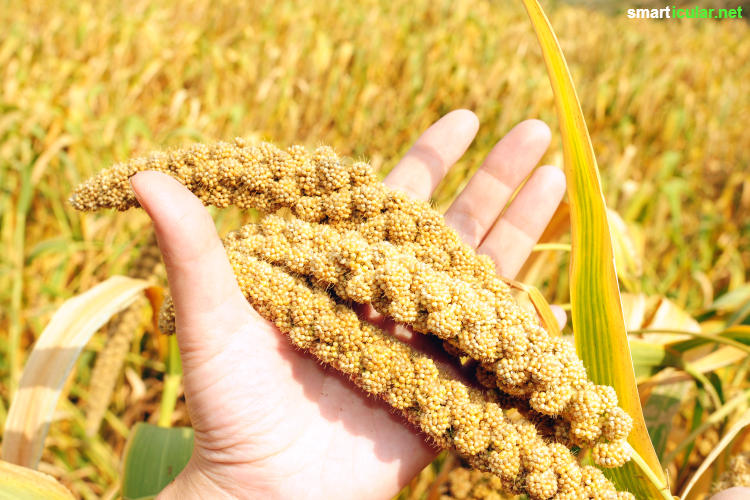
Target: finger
[(201, 280), (437, 149), (508, 164), (513, 236), (736, 493), (560, 315)]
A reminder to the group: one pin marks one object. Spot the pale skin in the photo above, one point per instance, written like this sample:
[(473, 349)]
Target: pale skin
[(269, 421)]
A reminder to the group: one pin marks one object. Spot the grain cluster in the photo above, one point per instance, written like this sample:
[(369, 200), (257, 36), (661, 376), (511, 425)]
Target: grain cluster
[(467, 483), (349, 239), (120, 332), (737, 474)]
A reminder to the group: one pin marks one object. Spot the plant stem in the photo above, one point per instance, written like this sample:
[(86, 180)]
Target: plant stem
[(171, 383), (19, 240), (713, 419), (643, 466), (718, 338)]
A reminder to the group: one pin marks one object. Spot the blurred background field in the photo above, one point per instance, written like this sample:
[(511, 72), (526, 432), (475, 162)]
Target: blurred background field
[(85, 84)]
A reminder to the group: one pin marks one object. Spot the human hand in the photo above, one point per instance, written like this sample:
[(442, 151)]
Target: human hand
[(736, 493), (269, 420)]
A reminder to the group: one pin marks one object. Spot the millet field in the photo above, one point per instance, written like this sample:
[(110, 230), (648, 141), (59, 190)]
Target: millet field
[(84, 85)]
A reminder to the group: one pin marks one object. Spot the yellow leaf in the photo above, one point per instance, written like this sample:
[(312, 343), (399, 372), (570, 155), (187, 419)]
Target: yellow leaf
[(628, 255), (669, 316), (724, 356), (541, 306), (634, 307), (51, 361), (21, 483), (601, 338)]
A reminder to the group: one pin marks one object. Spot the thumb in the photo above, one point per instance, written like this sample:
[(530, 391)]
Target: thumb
[(208, 302)]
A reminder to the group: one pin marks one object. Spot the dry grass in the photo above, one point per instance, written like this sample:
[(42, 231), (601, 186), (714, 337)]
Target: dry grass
[(85, 84)]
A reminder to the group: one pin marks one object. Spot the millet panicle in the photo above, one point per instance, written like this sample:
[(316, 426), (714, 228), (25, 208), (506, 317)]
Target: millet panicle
[(353, 239)]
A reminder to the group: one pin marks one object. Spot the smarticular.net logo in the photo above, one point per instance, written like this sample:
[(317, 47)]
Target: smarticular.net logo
[(674, 12)]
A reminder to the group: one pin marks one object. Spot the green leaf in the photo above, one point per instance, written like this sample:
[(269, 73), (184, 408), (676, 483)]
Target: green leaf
[(153, 457), (171, 383), (662, 405), (649, 358), (735, 336), (596, 310), (21, 483), (732, 300)]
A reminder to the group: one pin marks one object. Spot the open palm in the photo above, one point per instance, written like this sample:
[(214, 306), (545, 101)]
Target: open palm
[(269, 420)]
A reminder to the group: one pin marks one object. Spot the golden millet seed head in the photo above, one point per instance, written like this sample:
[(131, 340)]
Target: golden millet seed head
[(737, 474), (399, 285), (378, 246), (612, 454), (542, 485)]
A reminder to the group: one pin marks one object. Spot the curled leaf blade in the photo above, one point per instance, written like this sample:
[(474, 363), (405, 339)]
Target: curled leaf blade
[(51, 361), (596, 312)]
